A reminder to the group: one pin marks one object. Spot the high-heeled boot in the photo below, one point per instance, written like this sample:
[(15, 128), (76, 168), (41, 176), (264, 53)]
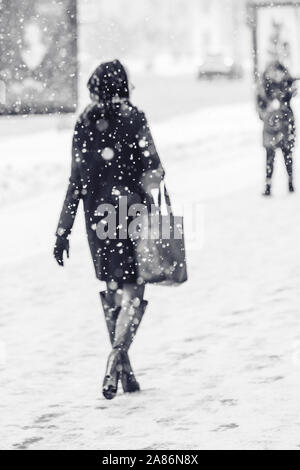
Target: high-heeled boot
[(127, 323), (291, 185), (112, 374), (111, 312), (267, 192)]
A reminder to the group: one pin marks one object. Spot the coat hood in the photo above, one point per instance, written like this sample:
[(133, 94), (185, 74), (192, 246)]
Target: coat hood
[(109, 81), (278, 82), (276, 73)]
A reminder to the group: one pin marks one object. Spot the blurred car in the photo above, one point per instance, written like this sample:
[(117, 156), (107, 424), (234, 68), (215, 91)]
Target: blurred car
[(218, 66)]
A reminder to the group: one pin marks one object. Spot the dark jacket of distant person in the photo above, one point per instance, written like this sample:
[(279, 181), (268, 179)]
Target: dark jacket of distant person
[(274, 96)]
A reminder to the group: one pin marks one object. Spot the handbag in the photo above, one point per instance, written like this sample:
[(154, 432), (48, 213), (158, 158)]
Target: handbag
[(160, 255)]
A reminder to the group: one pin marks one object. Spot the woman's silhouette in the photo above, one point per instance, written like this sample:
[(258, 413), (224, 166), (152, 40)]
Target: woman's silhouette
[(113, 156), (274, 96)]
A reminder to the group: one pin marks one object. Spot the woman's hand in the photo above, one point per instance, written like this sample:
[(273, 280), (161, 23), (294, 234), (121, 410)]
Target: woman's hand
[(62, 244)]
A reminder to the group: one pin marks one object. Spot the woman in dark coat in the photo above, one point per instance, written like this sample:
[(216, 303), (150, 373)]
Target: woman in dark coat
[(114, 159), (274, 107)]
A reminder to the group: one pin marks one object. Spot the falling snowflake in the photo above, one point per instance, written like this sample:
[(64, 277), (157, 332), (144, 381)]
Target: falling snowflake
[(102, 125), (142, 143), (107, 154)]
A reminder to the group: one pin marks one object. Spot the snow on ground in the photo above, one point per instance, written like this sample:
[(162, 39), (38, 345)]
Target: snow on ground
[(218, 358)]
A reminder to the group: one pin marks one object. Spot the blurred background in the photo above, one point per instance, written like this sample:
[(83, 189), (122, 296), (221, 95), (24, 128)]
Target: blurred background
[(218, 358), (173, 49), (168, 46)]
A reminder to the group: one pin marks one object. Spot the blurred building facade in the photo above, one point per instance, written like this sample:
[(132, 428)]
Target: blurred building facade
[(160, 38), (165, 36)]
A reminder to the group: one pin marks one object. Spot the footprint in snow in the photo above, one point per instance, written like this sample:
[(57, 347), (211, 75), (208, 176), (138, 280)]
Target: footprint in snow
[(270, 380), (27, 443), (229, 402), (226, 427)]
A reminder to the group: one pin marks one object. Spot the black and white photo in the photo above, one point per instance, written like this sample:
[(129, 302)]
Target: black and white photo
[(150, 227)]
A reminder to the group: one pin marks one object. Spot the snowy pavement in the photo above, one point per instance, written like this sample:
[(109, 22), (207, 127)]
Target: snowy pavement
[(218, 358)]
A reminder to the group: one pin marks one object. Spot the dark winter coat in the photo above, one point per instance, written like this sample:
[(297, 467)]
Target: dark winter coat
[(274, 108), (113, 155)]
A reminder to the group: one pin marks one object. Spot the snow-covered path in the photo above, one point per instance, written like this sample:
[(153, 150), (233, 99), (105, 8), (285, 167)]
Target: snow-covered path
[(218, 358)]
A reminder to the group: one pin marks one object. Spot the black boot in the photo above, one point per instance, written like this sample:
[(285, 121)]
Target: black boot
[(111, 311), (267, 190), (112, 375), (126, 326), (129, 382), (291, 187)]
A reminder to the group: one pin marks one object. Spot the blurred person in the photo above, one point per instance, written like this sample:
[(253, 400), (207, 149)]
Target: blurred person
[(34, 50), (113, 156), (274, 96)]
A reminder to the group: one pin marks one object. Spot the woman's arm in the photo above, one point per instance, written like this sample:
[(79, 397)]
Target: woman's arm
[(261, 102), (153, 172), (71, 201)]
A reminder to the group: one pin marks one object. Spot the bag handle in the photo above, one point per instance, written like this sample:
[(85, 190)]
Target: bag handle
[(167, 199)]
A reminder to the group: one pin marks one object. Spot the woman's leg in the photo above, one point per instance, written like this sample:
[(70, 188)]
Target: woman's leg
[(269, 170), (130, 297), (111, 309), (130, 316), (132, 293), (120, 298), (111, 301), (288, 159), (270, 163)]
